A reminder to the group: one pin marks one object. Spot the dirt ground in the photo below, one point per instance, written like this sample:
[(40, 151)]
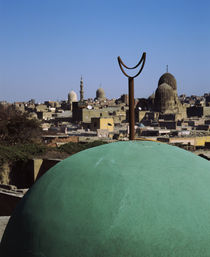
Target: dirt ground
[(3, 223)]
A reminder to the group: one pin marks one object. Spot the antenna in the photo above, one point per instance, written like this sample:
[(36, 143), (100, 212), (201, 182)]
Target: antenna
[(167, 68)]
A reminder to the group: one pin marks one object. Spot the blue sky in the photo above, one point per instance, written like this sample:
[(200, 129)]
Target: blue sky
[(46, 45)]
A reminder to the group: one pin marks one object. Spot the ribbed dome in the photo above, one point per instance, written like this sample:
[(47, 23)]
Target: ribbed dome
[(164, 98), (169, 79), (100, 94), (164, 91), (139, 199)]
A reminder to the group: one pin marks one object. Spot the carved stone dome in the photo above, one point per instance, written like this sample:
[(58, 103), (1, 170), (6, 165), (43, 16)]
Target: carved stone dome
[(164, 91), (169, 79), (100, 94), (164, 98), (72, 97)]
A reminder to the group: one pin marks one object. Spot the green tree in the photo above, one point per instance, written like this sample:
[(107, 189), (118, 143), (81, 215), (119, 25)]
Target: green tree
[(17, 127)]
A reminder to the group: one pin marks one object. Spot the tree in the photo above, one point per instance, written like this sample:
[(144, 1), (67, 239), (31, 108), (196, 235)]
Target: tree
[(17, 127)]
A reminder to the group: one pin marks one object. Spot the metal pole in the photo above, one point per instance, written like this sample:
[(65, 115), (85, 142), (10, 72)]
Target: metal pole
[(131, 108)]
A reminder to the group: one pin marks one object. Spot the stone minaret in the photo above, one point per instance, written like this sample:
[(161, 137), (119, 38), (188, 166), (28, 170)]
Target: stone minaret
[(81, 90)]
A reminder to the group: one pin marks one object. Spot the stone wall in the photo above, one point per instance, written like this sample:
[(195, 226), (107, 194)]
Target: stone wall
[(23, 174)]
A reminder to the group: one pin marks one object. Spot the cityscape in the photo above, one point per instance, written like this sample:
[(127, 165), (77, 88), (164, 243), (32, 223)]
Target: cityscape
[(163, 116), (101, 157)]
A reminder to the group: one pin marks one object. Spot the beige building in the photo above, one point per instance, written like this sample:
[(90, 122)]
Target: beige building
[(85, 114), (193, 141), (102, 124)]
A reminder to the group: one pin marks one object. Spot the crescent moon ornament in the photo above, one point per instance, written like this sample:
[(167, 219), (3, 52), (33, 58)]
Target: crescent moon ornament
[(142, 60), (131, 91)]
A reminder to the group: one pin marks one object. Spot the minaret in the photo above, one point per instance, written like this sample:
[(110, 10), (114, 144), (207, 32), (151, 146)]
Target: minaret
[(81, 90)]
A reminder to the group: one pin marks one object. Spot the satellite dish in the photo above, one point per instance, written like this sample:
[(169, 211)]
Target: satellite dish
[(89, 107)]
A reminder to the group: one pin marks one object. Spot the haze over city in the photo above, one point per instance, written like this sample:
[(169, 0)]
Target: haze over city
[(46, 46)]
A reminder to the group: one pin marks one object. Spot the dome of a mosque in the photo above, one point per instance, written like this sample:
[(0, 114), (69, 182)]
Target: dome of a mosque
[(138, 199), (164, 92), (100, 94), (169, 79), (164, 98), (72, 97)]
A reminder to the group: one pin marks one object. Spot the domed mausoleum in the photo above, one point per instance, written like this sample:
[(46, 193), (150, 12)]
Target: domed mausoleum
[(166, 98), (72, 97), (139, 199), (100, 94), (169, 79)]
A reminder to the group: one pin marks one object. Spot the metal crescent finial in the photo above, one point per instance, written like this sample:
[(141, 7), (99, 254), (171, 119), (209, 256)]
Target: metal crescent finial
[(142, 60)]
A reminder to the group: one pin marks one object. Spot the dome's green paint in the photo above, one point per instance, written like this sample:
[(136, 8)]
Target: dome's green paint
[(126, 199)]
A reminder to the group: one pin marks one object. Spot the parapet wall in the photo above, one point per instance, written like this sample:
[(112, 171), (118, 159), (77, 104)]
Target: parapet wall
[(23, 174)]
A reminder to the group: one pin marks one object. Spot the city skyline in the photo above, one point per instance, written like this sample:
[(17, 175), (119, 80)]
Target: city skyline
[(47, 45)]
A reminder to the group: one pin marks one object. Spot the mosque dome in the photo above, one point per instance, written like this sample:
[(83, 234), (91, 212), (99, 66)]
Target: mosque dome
[(100, 94), (164, 98), (169, 79), (117, 200), (72, 97), (164, 91)]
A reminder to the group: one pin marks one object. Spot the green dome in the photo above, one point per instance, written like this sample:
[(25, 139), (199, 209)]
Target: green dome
[(125, 199)]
